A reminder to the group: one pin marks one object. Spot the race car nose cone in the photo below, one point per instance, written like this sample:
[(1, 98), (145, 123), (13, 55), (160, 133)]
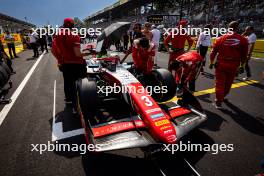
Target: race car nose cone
[(171, 139)]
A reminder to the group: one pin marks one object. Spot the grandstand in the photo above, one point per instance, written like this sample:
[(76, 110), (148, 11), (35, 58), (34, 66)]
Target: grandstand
[(197, 12), (12, 24)]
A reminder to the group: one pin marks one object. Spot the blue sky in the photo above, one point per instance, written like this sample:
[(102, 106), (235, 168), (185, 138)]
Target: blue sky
[(40, 12)]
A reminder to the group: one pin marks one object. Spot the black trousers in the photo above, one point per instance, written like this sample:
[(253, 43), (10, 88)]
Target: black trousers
[(247, 69), (125, 45), (44, 46), (11, 50), (192, 85), (34, 46), (71, 73), (203, 51)]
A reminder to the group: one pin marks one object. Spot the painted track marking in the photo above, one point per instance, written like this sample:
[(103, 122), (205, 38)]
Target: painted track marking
[(57, 128), (17, 92)]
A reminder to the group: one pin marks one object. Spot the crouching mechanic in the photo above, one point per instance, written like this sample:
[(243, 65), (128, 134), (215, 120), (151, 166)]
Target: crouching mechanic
[(231, 50), (187, 67), (66, 49)]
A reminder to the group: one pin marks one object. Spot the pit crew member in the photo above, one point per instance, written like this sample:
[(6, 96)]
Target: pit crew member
[(66, 49), (177, 42), (231, 50)]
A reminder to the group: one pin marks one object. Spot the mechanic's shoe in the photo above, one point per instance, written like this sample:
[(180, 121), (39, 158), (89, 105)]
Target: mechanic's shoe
[(74, 111), (218, 105), (67, 102), (226, 100), (246, 78), (179, 91)]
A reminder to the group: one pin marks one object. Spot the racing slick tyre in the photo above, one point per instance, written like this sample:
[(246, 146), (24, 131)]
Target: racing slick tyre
[(87, 98), (4, 74), (163, 79), (3, 64)]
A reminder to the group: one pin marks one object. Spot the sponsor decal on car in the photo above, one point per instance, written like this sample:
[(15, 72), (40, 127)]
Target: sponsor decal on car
[(178, 112), (153, 110), (117, 127), (165, 127), (119, 141), (188, 121), (162, 122), (154, 116)]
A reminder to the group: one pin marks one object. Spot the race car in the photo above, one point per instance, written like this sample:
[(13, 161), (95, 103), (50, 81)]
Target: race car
[(118, 111)]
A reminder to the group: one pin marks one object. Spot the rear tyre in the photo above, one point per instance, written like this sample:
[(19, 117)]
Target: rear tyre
[(162, 78), (3, 64), (4, 75)]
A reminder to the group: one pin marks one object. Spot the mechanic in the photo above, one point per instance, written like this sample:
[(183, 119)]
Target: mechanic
[(231, 50), (177, 43), (143, 51), (147, 31), (204, 42), (66, 49), (137, 33), (187, 67)]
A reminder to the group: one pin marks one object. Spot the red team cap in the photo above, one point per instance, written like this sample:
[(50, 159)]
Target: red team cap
[(183, 23), (68, 22)]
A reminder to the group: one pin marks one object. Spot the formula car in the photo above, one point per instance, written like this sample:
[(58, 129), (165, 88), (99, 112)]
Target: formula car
[(133, 116)]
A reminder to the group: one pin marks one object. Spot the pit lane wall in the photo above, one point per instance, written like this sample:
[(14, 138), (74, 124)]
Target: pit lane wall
[(18, 42)]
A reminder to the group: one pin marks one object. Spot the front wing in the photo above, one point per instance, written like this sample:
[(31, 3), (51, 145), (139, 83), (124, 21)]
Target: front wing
[(132, 133)]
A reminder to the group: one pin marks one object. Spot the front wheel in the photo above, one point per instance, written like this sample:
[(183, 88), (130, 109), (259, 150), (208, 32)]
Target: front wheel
[(87, 98), (163, 79)]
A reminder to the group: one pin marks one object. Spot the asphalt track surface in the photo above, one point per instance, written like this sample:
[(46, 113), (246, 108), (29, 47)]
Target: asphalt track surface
[(30, 121)]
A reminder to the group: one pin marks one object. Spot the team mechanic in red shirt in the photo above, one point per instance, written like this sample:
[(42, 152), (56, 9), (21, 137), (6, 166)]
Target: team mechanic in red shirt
[(187, 68), (232, 51), (177, 42), (66, 49), (143, 51)]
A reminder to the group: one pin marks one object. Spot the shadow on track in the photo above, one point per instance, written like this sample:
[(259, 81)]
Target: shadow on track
[(213, 122), (244, 119), (102, 164), (205, 98)]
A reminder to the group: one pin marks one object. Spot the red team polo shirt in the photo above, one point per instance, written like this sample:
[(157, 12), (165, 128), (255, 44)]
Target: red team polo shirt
[(230, 48), (64, 44)]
